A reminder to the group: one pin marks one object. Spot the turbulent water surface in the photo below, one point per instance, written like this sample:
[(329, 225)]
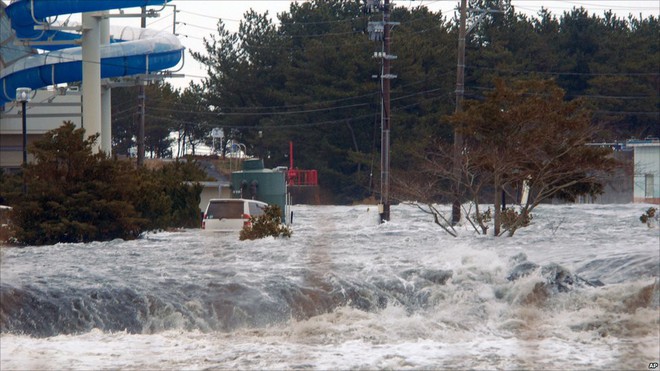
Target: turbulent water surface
[(578, 289)]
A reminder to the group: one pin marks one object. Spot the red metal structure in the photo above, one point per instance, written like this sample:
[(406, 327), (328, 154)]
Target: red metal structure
[(303, 178), (297, 177)]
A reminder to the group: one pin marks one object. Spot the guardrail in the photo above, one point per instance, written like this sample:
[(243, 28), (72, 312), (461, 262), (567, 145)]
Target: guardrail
[(297, 177)]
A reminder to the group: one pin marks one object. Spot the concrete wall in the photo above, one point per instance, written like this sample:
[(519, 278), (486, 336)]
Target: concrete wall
[(46, 111), (211, 190)]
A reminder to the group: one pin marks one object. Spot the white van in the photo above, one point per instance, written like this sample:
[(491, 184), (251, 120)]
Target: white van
[(230, 214)]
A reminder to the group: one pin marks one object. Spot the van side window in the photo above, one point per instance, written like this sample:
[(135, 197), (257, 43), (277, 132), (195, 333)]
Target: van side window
[(225, 210), (255, 209)]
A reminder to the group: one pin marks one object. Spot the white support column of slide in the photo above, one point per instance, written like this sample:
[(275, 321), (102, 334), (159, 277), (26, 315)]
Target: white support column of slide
[(91, 74), (106, 96)]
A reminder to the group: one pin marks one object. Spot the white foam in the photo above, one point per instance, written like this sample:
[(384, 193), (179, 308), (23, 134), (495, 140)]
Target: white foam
[(476, 320)]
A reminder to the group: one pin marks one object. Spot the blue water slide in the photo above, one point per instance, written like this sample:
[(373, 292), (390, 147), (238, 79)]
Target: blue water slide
[(132, 51)]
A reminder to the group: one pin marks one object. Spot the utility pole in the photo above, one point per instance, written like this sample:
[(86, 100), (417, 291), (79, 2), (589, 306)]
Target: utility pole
[(458, 137), (380, 31), (460, 92), (385, 140), (141, 103)]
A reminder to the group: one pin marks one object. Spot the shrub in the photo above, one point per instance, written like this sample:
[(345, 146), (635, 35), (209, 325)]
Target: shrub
[(76, 195), (268, 224), (649, 217), (512, 219)]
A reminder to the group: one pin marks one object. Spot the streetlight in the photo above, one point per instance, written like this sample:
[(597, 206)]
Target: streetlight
[(23, 96)]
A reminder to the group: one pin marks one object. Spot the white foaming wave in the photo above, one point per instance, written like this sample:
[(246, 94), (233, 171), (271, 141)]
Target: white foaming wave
[(477, 319), (346, 338), (351, 338)]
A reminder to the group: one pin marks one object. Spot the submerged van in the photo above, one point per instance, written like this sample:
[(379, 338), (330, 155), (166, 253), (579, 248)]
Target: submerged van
[(230, 214)]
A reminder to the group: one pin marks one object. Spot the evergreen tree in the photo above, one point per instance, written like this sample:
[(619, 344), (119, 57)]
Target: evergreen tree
[(75, 195), (309, 79)]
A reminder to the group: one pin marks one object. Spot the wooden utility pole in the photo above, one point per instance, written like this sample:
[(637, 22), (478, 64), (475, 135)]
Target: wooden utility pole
[(458, 137), (381, 31), (385, 139)]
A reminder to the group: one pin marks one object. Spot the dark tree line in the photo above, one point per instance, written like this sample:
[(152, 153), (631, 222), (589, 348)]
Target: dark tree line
[(309, 80)]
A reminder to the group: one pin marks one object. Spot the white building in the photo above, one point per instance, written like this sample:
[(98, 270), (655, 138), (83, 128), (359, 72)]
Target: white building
[(646, 181), (46, 110)]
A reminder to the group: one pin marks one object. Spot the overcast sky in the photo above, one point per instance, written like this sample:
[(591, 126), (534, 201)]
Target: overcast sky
[(198, 18)]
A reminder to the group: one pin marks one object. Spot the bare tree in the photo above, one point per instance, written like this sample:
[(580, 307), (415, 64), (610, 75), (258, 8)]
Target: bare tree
[(521, 135)]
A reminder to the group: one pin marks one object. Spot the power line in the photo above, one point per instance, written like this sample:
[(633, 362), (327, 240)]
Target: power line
[(557, 73), (481, 68), (261, 127), (287, 106), (189, 36), (593, 96), (160, 19), (297, 23), (217, 114), (127, 113), (302, 105), (209, 16)]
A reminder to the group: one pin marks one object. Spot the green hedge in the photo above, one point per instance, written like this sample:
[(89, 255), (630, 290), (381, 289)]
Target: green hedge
[(76, 195)]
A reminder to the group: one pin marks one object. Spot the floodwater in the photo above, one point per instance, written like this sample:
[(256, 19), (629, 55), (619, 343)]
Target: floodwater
[(344, 292)]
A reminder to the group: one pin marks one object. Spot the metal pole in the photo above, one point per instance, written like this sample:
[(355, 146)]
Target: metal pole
[(290, 155), (24, 114), (141, 103), (385, 137), (106, 95), (23, 96), (174, 21), (458, 137), (140, 135)]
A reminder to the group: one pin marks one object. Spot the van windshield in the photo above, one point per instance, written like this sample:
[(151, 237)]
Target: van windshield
[(225, 210)]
